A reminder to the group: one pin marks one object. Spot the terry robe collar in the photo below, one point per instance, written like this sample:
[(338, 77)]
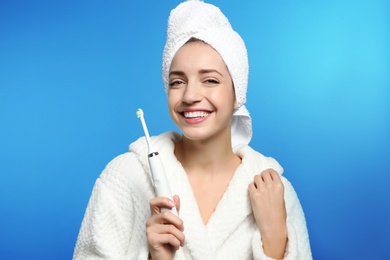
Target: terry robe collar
[(233, 208)]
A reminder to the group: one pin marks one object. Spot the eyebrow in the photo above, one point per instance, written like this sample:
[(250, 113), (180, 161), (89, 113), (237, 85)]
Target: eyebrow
[(202, 71), (176, 72)]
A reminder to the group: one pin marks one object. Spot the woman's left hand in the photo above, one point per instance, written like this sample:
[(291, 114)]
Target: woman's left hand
[(267, 200)]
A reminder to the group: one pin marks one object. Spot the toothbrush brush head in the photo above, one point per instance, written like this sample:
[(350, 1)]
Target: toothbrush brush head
[(139, 113)]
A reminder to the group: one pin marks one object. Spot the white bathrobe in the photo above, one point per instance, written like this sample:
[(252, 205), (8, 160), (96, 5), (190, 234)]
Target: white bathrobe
[(114, 222)]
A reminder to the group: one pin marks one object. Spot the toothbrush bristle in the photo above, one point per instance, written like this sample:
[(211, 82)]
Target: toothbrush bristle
[(139, 112)]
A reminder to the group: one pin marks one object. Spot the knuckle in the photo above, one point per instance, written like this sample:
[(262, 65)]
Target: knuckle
[(180, 223), (150, 235), (266, 171), (279, 187), (272, 170), (152, 240), (257, 195), (149, 223), (165, 214)]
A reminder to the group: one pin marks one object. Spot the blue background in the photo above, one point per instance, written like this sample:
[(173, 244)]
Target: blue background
[(73, 73)]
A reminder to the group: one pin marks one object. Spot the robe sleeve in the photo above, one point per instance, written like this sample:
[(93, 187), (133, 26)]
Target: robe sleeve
[(108, 225)]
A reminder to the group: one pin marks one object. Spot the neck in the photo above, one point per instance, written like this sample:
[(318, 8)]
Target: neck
[(211, 157)]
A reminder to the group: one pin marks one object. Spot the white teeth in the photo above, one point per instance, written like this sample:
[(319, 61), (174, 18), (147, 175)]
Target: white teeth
[(195, 114)]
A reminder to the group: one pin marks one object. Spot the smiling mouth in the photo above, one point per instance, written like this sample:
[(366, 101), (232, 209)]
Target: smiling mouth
[(195, 114)]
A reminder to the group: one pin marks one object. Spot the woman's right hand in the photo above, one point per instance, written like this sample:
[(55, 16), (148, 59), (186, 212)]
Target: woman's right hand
[(164, 229)]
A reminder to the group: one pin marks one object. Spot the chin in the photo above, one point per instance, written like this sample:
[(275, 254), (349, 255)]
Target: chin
[(195, 134)]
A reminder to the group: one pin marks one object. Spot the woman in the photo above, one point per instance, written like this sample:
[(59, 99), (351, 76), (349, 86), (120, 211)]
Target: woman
[(233, 202)]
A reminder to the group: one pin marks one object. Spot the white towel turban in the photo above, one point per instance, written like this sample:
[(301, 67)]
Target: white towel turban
[(196, 19)]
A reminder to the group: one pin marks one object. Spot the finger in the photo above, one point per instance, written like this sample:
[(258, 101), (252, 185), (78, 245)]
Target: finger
[(177, 233), (162, 239), (266, 176), (252, 188), (275, 179), (157, 203), (165, 218), (176, 199), (258, 181), (171, 218), (275, 175), (165, 234)]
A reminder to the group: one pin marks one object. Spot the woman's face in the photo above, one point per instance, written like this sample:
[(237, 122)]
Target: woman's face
[(201, 97)]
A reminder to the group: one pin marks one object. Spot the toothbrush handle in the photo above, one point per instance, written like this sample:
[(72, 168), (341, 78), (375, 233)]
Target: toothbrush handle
[(161, 184)]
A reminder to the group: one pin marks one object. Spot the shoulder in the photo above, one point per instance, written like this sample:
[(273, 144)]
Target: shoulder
[(122, 172), (256, 162), (133, 165)]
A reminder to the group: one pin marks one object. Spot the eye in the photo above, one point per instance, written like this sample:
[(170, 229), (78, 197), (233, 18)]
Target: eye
[(176, 83), (211, 81)]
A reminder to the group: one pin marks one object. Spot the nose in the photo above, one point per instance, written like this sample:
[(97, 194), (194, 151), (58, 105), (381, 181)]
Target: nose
[(191, 93)]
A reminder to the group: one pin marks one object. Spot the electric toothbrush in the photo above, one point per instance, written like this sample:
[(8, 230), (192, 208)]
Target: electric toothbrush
[(160, 181)]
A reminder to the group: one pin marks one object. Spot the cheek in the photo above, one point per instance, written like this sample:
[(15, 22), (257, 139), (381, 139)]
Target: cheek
[(226, 99), (173, 98)]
